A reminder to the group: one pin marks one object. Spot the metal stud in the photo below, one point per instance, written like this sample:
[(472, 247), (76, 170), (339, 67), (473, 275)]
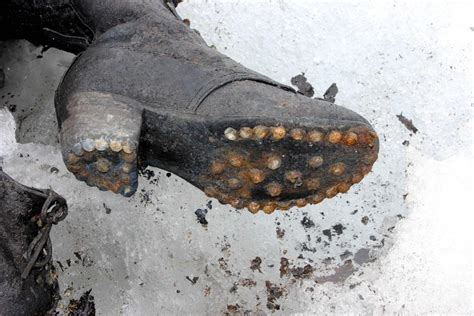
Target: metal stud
[(315, 162), (127, 190), (273, 189), (246, 132), (72, 159), (357, 178), (337, 169), (231, 134), (234, 183), (334, 137), (217, 167), (316, 198), (128, 157), (211, 191), (278, 133), (261, 131), (128, 147), (236, 160), (293, 176), (77, 149), (102, 165), (126, 168), (115, 146), (301, 202), (297, 134), (88, 145), (256, 175), (331, 192), (350, 138), (101, 144), (253, 207), (343, 187), (313, 184), (269, 208), (273, 162), (315, 136)]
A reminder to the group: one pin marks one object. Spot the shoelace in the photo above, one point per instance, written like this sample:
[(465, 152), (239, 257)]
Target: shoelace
[(53, 211)]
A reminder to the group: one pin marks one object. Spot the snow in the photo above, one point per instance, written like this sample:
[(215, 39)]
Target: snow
[(387, 58)]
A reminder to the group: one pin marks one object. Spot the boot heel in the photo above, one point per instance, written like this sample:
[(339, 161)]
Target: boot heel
[(99, 140)]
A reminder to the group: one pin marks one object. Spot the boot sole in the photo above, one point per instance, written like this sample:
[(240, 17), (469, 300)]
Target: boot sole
[(255, 163)]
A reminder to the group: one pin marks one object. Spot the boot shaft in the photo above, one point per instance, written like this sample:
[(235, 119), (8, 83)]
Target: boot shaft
[(70, 25)]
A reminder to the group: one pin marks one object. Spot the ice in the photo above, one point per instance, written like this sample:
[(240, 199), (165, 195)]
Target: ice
[(405, 228)]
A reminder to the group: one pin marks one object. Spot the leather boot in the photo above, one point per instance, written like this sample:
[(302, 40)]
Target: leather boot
[(28, 283), (149, 91)]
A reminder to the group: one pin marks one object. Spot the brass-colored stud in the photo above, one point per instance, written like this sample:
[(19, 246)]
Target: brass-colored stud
[(261, 131), (269, 208), (72, 159), (256, 175), (331, 192), (297, 134), (278, 133), (284, 206), (246, 132), (235, 202), (337, 169), (234, 183), (253, 207), (126, 168), (128, 157), (334, 137), (217, 167), (301, 202), (316, 198), (128, 147), (315, 136), (231, 134), (102, 165), (293, 176), (115, 146), (315, 162), (236, 160), (343, 187), (366, 169), (88, 145), (273, 189), (273, 162), (77, 149), (313, 184), (127, 190), (350, 138), (101, 144), (357, 178), (211, 192)]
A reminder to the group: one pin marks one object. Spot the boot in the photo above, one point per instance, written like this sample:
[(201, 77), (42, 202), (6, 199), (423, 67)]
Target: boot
[(148, 91), (28, 282)]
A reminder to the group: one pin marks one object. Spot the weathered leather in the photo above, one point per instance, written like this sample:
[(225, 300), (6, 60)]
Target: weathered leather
[(38, 292)]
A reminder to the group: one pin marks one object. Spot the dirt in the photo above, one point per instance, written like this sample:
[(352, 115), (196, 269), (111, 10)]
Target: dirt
[(201, 216), (85, 306), (284, 266), (303, 85), (280, 233), (255, 264), (331, 92), (307, 222), (407, 123), (274, 292)]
